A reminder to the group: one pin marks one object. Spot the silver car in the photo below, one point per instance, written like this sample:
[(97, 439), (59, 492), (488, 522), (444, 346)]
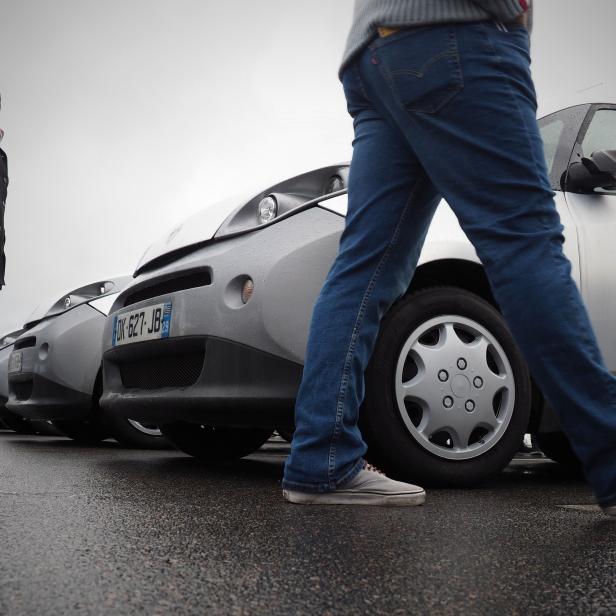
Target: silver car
[(208, 339), (53, 370)]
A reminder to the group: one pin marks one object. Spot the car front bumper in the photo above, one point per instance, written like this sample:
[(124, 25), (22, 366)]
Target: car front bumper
[(200, 379), (55, 373)]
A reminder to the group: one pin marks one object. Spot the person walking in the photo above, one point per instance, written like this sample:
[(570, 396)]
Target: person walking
[(444, 106), (4, 182)]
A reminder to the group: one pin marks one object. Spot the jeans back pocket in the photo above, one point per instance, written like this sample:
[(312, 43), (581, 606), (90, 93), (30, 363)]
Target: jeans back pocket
[(421, 66)]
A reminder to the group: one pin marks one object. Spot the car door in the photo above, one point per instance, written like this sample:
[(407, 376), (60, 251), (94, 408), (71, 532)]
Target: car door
[(595, 218), (559, 132)]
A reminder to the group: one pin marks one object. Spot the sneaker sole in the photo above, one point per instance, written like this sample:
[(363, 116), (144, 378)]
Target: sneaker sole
[(340, 497)]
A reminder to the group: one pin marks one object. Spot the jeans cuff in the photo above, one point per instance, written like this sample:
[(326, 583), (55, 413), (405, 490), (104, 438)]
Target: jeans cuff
[(319, 488), (610, 501)]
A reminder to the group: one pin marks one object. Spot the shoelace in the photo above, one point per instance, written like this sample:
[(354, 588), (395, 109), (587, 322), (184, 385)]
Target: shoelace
[(370, 467)]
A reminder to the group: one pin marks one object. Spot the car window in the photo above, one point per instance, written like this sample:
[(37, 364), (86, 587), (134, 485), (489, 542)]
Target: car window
[(551, 133), (601, 134), (559, 130)]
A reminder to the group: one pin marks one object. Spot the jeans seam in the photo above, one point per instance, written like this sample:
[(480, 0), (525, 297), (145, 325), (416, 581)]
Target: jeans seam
[(359, 81), (355, 334), (488, 36)]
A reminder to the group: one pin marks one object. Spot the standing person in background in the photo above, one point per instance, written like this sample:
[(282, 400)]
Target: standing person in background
[(4, 182), (444, 105)]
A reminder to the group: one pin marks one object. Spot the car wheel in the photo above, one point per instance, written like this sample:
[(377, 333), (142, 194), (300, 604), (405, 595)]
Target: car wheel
[(46, 428), (134, 434), (83, 432), (556, 446), (16, 423), (448, 393), (215, 443), (285, 433)]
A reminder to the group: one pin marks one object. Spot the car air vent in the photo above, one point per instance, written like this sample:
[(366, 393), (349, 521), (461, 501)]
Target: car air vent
[(24, 343), (172, 370), (155, 288), (22, 389)]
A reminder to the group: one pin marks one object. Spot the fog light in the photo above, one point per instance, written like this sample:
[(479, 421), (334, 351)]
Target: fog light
[(43, 351), (247, 290)]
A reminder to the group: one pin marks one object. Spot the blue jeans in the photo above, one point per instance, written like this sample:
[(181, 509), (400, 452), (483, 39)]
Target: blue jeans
[(448, 111)]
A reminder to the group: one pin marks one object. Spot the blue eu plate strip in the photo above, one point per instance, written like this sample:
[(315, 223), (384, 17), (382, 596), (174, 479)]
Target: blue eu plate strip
[(166, 321)]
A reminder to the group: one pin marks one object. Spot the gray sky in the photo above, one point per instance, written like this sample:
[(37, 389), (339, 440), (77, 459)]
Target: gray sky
[(123, 117)]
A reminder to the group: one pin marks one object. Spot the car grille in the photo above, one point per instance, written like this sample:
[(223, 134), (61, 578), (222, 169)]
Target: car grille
[(24, 343), (22, 389), (155, 288), (173, 370)]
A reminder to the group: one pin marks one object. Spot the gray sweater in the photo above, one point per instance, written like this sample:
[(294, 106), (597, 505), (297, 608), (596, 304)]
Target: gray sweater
[(370, 14)]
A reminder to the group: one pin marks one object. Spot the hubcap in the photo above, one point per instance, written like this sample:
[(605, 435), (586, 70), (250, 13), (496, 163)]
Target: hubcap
[(148, 429), (455, 389)]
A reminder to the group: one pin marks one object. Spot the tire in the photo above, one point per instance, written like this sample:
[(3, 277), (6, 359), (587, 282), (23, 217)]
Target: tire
[(133, 434), (215, 443), (465, 406), (16, 423), (84, 432), (555, 445), (285, 433), (46, 428), (127, 432)]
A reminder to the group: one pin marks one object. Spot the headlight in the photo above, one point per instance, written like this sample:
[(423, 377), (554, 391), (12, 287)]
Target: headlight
[(9, 339), (267, 210), (75, 298), (283, 199), (334, 184)]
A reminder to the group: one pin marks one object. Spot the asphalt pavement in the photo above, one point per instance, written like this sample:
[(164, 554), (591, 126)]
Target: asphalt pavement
[(107, 530)]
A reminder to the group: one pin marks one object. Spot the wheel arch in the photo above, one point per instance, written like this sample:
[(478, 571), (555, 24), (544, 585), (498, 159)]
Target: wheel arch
[(469, 275)]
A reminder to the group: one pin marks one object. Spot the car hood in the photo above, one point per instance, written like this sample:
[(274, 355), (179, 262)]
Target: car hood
[(238, 214), (196, 229), (56, 304)]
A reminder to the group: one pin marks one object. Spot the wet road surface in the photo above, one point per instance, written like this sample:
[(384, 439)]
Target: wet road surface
[(107, 530)]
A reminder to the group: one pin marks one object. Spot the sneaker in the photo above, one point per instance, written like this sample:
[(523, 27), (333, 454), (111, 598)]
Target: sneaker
[(368, 487)]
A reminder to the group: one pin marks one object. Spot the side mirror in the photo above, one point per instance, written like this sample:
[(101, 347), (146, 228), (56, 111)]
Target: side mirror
[(598, 171)]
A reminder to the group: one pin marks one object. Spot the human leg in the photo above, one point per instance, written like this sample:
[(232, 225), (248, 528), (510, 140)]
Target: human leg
[(391, 204), (463, 97)]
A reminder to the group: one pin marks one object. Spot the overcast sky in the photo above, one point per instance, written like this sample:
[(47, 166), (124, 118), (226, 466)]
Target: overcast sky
[(122, 117)]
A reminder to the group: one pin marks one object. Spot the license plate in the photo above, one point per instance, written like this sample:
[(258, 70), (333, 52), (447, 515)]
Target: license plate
[(15, 361), (151, 323)]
